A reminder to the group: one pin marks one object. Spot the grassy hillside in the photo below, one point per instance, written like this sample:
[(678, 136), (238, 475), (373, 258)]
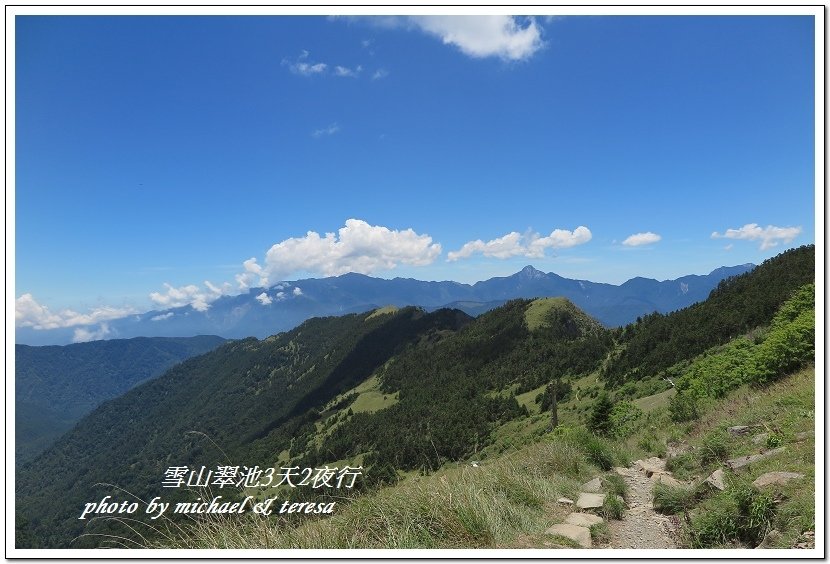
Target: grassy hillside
[(510, 500)]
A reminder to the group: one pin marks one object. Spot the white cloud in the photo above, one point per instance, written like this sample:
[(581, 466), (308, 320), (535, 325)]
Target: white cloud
[(356, 247), (82, 335), (162, 316), (347, 72), (302, 66), (297, 291), (769, 236), (485, 36), (330, 130), (264, 299), (29, 313), (639, 239), (531, 245), (380, 73), (192, 295), (280, 296)]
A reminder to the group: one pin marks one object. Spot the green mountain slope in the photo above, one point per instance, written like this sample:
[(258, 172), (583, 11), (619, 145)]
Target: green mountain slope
[(56, 385), (736, 306), (236, 395)]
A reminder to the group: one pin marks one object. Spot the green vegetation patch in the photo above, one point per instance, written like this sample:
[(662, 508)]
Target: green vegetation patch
[(382, 311), (371, 399), (545, 312)]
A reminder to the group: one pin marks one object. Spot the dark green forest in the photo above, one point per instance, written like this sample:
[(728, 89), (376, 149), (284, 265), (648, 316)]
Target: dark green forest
[(56, 386)]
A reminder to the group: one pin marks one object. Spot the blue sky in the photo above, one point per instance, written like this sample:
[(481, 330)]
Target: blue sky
[(156, 156)]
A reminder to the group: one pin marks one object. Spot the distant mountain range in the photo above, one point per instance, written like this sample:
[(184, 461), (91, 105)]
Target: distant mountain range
[(266, 311)]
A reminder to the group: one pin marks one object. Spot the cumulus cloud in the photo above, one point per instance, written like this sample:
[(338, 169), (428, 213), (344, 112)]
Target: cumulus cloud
[(380, 73), (485, 36), (303, 66), (769, 236), (264, 299), (162, 316), (356, 247), (29, 313), (531, 244), (196, 297), (83, 335), (346, 72), (639, 239), (326, 131), (297, 291)]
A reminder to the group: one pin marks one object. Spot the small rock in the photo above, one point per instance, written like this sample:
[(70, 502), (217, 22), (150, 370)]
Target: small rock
[(715, 480), (593, 486), (580, 535), (738, 430), (621, 471), (650, 466), (741, 462), (583, 519), (804, 435), (770, 539), (665, 478), (778, 478), (806, 540), (590, 500), (760, 439), (565, 501)]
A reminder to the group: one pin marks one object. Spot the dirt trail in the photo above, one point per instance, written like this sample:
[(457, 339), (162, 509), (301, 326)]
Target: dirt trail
[(641, 526)]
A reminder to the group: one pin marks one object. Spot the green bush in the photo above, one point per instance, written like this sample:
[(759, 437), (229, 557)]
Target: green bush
[(683, 406), (717, 527), (682, 466), (742, 514), (624, 417), (757, 510), (670, 499), (615, 484), (600, 533), (613, 507), (714, 447)]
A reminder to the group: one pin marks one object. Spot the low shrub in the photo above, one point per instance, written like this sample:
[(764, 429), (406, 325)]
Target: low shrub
[(613, 507), (671, 499)]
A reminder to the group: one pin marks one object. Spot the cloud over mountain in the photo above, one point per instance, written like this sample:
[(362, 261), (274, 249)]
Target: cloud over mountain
[(531, 244), (356, 247), (29, 313), (769, 236)]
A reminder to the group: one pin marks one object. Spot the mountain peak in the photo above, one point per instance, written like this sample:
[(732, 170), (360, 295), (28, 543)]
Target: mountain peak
[(531, 272)]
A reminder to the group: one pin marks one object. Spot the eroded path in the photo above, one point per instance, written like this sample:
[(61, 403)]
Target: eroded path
[(641, 526)]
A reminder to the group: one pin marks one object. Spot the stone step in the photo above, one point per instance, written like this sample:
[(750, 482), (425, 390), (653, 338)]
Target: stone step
[(590, 500), (583, 519), (578, 534)]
